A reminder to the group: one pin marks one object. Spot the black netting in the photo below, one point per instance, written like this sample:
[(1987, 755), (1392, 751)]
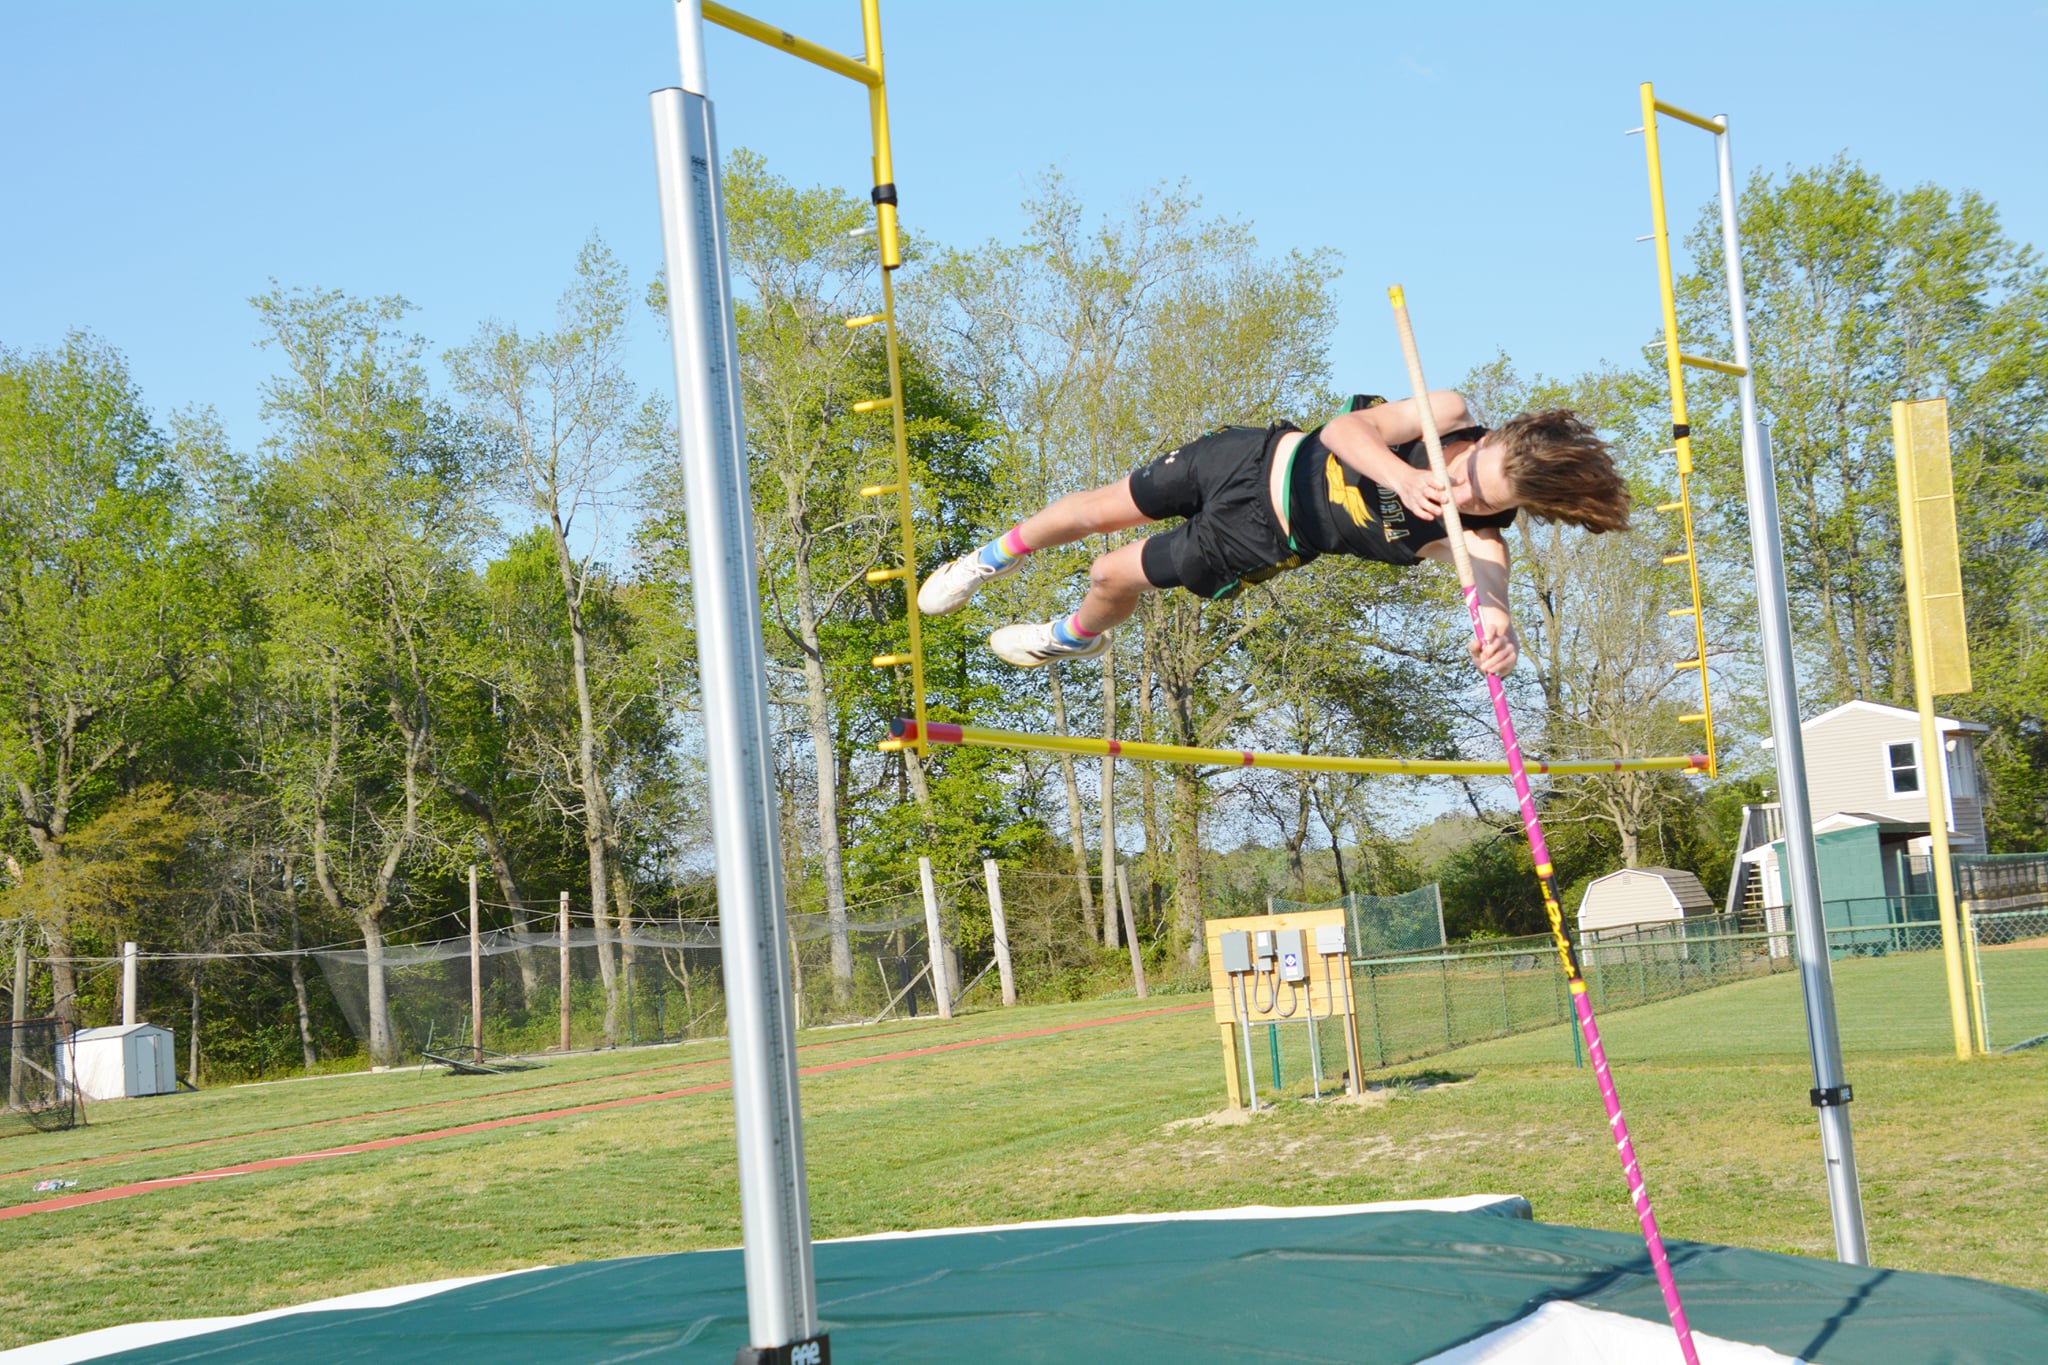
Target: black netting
[(40, 1096)]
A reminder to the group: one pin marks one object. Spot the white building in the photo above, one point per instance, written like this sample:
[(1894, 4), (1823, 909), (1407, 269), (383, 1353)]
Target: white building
[(122, 1061)]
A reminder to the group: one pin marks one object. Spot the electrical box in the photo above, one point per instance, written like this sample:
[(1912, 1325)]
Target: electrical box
[(1262, 945), (1236, 948), (1293, 958), (1329, 940)]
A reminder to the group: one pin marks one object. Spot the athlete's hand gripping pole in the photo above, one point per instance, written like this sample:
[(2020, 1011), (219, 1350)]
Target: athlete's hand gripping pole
[(1582, 1005)]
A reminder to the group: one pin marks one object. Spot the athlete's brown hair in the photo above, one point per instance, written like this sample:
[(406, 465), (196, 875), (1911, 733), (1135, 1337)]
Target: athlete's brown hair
[(1557, 466)]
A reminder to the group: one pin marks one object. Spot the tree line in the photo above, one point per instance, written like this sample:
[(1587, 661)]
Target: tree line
[(440, 616)]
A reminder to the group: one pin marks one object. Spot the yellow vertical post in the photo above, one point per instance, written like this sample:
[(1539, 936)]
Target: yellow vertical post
[(878, 121), (1927, 522), (884, 197), (1681, 430)]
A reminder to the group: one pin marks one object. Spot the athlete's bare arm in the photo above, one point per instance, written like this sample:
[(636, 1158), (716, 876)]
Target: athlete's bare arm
[(1489, 553), (1364, 440)]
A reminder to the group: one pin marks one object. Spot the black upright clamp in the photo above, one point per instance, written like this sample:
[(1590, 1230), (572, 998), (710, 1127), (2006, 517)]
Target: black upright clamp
[(1680, 430), (815, 1350), (1832, 1096), (883, 194)]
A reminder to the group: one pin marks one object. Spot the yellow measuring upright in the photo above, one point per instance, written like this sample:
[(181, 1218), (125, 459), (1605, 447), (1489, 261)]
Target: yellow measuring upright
[(1941, 658), (866, 70), (1676, 361)]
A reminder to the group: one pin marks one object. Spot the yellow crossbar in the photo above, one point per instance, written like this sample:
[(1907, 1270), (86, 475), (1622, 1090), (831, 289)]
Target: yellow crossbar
[(902, 731), (1682, 115), (811, 52), (1701, 362)]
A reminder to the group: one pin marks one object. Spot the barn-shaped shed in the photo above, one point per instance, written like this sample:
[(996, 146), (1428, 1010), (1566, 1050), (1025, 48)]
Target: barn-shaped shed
[(1641, 895)]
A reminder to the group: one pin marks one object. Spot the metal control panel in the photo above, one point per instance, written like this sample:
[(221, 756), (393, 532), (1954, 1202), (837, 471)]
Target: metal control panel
[(1236, 950), (1293, 955)]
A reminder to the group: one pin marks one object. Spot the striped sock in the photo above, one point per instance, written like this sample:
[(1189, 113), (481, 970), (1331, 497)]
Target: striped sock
[(1004, 551), (1067, 630)]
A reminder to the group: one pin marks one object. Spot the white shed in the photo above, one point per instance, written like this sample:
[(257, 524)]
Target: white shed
[(124, 1060), (1642, 895)]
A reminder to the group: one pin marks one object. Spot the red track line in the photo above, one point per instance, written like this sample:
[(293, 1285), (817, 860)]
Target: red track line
[(413, 1108), (72, 1201)]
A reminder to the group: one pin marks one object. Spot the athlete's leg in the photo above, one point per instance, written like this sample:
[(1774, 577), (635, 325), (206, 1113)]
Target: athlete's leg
[(1096, 511), (1116, 581)]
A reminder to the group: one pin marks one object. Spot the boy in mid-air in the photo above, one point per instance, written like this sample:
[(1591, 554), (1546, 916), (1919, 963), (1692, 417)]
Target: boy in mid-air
[(1256, 502)]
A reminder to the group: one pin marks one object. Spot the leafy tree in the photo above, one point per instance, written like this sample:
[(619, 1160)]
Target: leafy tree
[(562, 405), (364, 523), (107, 610)]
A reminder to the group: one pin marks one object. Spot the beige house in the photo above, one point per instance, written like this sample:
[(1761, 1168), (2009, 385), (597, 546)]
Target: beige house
[(1866, 782), (1865, 757)]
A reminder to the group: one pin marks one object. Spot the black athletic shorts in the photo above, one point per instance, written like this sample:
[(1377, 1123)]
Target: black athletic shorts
[(1230, 536)]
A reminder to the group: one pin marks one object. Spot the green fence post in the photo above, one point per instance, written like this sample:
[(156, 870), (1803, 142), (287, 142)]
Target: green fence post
[(1379, 1042), (1444, 961), (1507, 1024)]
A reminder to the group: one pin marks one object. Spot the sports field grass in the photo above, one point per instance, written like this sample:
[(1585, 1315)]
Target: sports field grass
[(1088, 1120)]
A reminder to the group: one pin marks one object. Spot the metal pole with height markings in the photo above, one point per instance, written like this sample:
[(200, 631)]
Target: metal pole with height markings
[(782, 1311), (1831, 1091)]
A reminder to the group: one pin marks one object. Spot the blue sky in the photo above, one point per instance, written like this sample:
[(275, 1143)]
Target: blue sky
[(167, 160)]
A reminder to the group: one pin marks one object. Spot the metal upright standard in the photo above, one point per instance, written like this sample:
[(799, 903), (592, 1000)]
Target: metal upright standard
[(1582, 1006), (1831, 1093), (774, 1206), (782, 1313)]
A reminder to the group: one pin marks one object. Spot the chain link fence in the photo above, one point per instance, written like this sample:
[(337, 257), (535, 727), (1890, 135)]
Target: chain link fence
[(1408, 923), (1891, 992), (655, 983), (2005, 899)]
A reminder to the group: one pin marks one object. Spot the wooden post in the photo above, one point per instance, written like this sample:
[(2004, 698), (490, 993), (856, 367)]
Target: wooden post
[(942, 989), (796, 981), (17, 1065), (563, 921), (1231, 1080), (1002, 930), (1109, 934), (476, 968), (1123, 892)]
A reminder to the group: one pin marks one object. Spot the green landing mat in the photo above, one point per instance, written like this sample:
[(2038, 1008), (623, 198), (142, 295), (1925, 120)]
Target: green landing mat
[(1393, 1287)]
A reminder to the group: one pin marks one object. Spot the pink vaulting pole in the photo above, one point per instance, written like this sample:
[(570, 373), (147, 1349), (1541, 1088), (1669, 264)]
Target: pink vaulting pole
[(1582, 1006)]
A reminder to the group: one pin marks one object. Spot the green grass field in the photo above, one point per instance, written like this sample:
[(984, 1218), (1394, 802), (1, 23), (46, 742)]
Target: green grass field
[(1088, 1121)]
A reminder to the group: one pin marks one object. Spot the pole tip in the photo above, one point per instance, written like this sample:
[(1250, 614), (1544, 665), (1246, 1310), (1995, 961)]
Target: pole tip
[(901, 726), (1400, 299)]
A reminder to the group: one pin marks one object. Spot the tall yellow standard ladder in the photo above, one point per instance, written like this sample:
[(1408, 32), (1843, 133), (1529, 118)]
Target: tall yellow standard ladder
[(1676, 361), (867, 70)]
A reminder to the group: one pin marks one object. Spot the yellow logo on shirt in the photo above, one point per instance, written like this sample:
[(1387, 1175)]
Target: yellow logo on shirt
[(1344, 495)]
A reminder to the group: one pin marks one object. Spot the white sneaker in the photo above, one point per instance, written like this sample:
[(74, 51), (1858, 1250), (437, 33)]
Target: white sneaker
[(1035, 644), (947, 590)]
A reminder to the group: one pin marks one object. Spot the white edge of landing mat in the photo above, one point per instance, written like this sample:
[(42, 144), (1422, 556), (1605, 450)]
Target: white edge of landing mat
[(129, 1336), (1561, 1333), (1512, 1205), (113, 1340)]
